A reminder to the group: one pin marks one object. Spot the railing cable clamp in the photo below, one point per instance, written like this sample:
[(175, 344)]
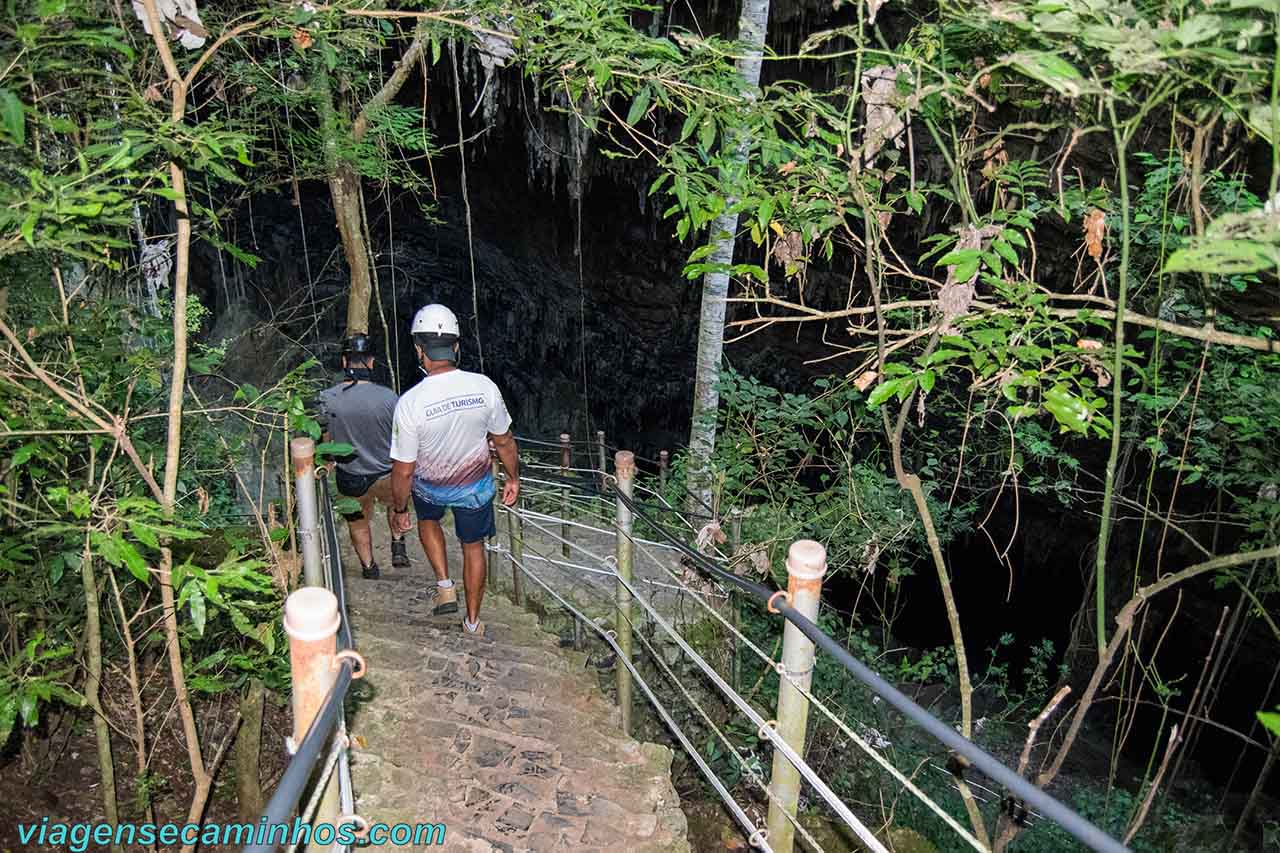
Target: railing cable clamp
[(359, 667)]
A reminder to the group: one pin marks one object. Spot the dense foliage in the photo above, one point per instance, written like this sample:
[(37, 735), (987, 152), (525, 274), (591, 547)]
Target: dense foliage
[(1033, 246)]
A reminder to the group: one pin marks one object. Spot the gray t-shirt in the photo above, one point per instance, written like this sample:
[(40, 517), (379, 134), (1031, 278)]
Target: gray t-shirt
[(360, 415)]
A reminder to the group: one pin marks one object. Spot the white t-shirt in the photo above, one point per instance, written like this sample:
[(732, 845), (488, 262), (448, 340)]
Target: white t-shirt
[(443, 424)]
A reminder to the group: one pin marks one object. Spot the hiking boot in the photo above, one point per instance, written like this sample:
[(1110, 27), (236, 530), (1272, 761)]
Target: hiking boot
[(370, 572), (446, 600), (399, 558), (478, 632)]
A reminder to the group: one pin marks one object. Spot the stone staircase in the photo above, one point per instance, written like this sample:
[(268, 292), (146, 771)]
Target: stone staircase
[(505, 739)]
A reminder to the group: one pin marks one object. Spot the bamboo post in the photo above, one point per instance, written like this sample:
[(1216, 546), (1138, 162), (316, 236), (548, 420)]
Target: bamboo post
[(311, 620), (566, 460), (515, 528), (662, 472), (624, 468), (735, 613), (600, 458), (303, 453), (806, 565)]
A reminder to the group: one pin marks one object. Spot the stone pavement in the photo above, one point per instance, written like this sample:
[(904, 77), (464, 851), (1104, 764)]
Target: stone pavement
[(505, 739)]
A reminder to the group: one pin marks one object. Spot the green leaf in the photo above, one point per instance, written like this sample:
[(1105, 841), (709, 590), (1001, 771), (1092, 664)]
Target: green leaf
[(8, 716), (915, 201), (640, 105), (13, 118), (1198, 28), (334, 448), (1051, 70), (1268, 719), (1069, 410), (884, 391), (926, 381), (346, 506), (198, 609), (144, 533), (28, 228), (707, 134), (1005, 251), (1014, 237), (959, 256), (1263, 119), (23, 454), (967, 269), (1224, 257)]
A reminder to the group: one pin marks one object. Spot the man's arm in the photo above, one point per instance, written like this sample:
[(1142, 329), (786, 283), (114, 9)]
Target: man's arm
[(509, 456), (401, 484)]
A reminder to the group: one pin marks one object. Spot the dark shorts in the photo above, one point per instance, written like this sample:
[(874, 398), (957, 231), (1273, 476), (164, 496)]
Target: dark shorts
[(355, 485), (471, 525)]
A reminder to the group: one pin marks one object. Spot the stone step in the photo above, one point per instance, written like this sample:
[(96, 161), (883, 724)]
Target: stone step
[(507, 739)]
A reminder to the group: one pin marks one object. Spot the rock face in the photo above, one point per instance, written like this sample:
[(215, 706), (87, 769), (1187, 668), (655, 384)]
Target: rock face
[(505, 739)]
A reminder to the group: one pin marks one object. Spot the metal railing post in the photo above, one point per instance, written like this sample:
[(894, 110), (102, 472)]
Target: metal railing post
[(735, 610), (303, 452), (499, 510), (662, 473), (311, 620), (516, 529), (601, 459), (806, 565), (624, 469), (566, 460)]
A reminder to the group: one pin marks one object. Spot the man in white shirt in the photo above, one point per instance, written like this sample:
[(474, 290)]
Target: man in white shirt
[(440, 455)]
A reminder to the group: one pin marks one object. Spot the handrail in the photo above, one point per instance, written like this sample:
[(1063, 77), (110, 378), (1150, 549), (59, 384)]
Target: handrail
[(283, 804), (1077, 826), (1031, 794)]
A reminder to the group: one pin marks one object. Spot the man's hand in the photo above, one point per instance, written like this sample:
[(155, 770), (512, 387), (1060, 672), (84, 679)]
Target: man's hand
[(511, 491), (402, 522)]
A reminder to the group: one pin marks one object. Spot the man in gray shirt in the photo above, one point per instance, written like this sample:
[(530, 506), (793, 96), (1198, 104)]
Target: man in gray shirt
[(360, 412)]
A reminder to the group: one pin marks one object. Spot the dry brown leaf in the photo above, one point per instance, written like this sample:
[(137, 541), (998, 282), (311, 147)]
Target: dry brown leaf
[(709, 533), (788, 167), (863, 382), (1095, 229), (302, 39), (152, 94), (879, 93), (789, 250), (1085, 343)]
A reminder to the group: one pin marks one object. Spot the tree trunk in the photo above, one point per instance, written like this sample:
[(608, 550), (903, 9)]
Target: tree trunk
[(344, 181), (344, 187), (752, 27), (173, 441), (93, 688), (248, 748)]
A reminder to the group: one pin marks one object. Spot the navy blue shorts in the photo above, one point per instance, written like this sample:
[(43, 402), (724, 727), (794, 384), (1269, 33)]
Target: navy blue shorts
[(471, 525)]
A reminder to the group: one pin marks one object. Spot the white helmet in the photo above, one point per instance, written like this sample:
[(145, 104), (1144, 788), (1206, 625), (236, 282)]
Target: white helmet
[(435, 319), (439, 328)]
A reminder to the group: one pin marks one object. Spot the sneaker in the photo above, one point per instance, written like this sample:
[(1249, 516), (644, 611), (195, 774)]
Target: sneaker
[(370, 572), (446, 600), (399, 559), (478, 632)]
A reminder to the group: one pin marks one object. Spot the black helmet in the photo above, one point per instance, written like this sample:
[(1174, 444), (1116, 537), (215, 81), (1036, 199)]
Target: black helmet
[(357, 344)]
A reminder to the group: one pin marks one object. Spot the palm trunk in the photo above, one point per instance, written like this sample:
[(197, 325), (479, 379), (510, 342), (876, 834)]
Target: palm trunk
[(752, 26)]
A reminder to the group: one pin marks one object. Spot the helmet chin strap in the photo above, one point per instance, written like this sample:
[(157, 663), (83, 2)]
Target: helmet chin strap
[(358, 374)]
